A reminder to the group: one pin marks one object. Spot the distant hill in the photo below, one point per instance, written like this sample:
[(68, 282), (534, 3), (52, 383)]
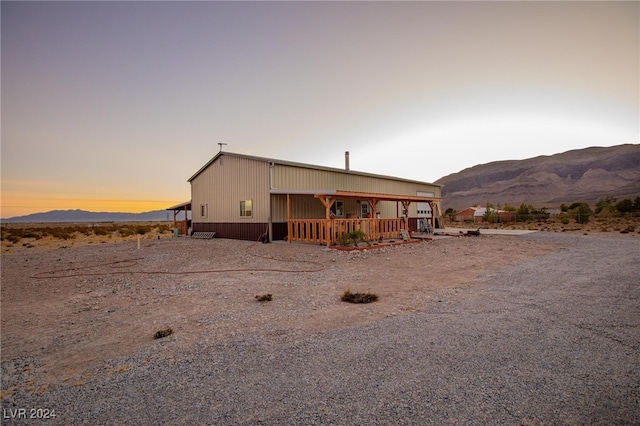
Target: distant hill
[(86, 216), (548, 181)]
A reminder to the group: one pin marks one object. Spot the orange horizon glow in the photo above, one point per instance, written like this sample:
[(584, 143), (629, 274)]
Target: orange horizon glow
[(21, 206)]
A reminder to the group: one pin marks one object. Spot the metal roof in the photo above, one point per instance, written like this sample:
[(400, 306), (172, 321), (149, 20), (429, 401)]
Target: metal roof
[(303, 165), (181, 206)]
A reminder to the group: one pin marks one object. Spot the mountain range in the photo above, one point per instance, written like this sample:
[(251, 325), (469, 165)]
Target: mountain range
[(83, 216), (547, 180)]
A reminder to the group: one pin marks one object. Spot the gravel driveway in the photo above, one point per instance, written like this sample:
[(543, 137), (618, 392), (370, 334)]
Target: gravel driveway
[(550, 340)]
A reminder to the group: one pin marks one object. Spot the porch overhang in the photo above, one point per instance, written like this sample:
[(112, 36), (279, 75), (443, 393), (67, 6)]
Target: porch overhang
[(182, 206), (328, 229), (182, 225), (357, 195)]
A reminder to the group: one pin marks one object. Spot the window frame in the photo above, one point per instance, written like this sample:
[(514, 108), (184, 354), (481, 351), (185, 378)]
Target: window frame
[(243, 208), (365, 209), (335, 210)]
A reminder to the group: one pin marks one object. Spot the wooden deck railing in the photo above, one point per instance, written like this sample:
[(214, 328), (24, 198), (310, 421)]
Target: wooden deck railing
[(330, 231), (308, 230), (182, 226)]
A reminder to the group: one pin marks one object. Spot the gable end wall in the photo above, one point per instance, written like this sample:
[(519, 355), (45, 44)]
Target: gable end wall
[(225, 183)]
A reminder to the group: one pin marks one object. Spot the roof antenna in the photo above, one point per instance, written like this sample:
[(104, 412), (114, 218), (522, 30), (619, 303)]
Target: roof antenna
[(221, 144)]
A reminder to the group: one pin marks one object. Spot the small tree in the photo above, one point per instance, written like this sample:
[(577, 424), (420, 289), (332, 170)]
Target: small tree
[(491, 216), (581, 212), (524, 212), (541, 213), (604, 203), (625, 206)]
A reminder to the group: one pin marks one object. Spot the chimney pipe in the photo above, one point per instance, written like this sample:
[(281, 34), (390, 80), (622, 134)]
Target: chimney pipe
[(346, 160)]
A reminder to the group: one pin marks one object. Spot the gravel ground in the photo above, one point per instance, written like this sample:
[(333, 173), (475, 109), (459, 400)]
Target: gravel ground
[(554, 339)]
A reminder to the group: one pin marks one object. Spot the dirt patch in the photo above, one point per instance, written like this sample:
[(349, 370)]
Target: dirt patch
[(66, 310)]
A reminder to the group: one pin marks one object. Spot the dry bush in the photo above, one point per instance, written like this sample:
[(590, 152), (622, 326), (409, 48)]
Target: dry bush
[(264, 297), (350, 297), (163, 333)]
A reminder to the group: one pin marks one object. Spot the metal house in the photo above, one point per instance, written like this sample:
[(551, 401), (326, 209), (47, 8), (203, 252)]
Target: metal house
[(246, 197)]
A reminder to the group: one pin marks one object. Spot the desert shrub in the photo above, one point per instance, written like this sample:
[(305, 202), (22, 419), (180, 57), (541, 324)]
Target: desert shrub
[(14, 238), (31, 233), (264, 297), (125, 231), (141, 230), (99, 230), (563, 218), (354, 237), (605, 203), (350, 297), (164, 228), (163, 333), (62, 232)]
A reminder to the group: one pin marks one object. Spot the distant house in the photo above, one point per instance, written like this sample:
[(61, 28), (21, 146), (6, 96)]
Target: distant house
[(246, 197), (466, 215), (476, 215)]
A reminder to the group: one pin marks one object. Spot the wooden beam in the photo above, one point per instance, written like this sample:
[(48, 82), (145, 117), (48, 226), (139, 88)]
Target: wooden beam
[(433, 216), (289, 227), (373, 202), (327, 201), (381, 197)]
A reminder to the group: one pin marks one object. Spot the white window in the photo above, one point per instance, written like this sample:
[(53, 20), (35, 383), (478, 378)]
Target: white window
[(338, 208), (365, 209), (246, 209)]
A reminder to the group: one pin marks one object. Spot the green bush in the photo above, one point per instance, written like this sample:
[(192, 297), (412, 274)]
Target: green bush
[(582, 213), (354, 237)]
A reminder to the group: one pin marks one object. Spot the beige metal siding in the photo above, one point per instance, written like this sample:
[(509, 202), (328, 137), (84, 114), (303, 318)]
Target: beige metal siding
[(286, 177), (230, 179), (279, 208), (297, 178), (225, 183)]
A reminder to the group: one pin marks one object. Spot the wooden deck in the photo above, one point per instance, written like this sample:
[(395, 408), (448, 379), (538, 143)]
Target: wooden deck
[(330, 231)]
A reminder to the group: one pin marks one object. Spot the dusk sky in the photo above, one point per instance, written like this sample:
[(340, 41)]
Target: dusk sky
[(112, 106)]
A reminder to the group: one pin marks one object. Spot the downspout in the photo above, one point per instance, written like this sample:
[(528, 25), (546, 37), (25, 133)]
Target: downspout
[(270, 220)]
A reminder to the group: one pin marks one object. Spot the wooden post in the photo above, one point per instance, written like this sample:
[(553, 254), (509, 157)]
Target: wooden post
[(186, 221), (327, 201), (405, 205), (433, 216), (289, 227), (376, 223)]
